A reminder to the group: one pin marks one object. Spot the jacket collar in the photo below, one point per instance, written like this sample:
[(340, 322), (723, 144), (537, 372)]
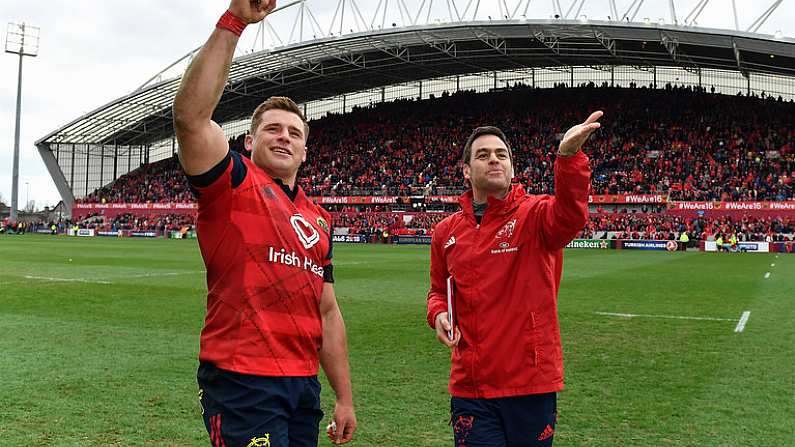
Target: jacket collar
[(509, 203)]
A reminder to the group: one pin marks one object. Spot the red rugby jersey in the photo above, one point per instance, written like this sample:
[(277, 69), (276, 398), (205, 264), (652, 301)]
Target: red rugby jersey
[(265, 256)]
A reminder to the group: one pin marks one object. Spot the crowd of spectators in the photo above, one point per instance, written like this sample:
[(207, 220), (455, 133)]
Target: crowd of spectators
[(668, 227), (367, 223), (689, 143), (601, 225), (164, 223), (159, 182), (693, 144)]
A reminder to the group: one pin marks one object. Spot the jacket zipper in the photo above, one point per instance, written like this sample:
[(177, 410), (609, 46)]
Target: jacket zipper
[(475, 329)]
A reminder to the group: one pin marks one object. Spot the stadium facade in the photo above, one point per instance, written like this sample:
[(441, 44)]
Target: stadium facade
[(336, 71)]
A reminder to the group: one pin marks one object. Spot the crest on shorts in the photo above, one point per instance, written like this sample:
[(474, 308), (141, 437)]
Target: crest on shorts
[(323, 224), (264, 441)]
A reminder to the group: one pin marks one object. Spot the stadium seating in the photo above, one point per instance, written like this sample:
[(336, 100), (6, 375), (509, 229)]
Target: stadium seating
[(691, 144), (685, 144)]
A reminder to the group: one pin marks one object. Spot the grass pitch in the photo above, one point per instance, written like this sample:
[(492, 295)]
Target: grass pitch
[(99, 344)]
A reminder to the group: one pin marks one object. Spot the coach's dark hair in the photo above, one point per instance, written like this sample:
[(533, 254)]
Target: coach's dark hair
[(479, 132)]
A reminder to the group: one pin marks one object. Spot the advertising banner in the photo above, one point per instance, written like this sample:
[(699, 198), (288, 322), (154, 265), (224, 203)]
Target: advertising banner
[(717, 209), (375, 200), (135, 206), (349, 238), (747, 247), (355, 200), (649, 245), (591, 244), (628, 199), (84, 233), (83, 210), (144, 234), (417, 240), (443, 199)]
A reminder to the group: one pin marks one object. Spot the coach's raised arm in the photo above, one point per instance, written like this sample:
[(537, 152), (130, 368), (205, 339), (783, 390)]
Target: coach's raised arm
[(566, 214), (202, 144)]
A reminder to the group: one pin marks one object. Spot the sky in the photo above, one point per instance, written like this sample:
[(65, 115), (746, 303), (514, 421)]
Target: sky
[(94, 51)]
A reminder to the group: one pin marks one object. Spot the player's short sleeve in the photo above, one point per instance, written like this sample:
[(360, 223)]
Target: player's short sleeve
[(328, 267), (227, 175)]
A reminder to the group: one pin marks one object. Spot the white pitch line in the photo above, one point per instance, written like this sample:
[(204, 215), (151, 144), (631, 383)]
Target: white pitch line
[(767, 275), (83, 280), (743, 319), (669, 317)]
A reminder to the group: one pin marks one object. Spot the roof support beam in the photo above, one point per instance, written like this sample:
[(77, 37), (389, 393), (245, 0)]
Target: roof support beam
[(673, 12), (452, 8), (763, 18), (448, 48), (738, 59), (613, 11), (571, 7), (635, 4), (671, 45), (736, 19), (492, 41), (691, 18), (608, 43), (57, 176), (550, 41), (556, 7)]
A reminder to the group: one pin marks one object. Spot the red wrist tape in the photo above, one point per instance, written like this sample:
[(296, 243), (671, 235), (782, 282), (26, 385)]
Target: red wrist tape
[(231, 22)]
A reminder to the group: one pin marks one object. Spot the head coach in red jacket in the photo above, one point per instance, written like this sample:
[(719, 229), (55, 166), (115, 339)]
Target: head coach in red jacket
[(495, 271)]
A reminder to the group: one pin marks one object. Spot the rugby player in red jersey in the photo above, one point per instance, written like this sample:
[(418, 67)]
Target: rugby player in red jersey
[(500, 259), (272, 316)]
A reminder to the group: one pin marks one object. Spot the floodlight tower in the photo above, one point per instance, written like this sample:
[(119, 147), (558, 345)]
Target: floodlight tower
[(22, 40)]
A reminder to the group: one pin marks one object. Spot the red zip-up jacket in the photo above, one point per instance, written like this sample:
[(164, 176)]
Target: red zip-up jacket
[(506, 273)]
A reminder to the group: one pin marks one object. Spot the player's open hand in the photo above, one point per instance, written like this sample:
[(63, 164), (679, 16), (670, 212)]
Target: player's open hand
[(342, 427), (252, 11), (443, 330), (577, 135)]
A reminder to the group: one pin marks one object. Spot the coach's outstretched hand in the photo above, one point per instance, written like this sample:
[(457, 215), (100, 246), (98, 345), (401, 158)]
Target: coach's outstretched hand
[(252, 11), (577, 135)]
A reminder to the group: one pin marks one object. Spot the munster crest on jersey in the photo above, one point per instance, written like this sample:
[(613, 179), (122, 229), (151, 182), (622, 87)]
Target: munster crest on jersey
[(306, 232), (507, 230)]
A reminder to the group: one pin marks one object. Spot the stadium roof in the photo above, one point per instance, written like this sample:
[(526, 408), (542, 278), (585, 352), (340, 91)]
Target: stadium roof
[(333, 66)]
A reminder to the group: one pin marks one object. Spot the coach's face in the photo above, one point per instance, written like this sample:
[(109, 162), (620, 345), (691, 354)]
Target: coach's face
[(489, 169), (279, 144)]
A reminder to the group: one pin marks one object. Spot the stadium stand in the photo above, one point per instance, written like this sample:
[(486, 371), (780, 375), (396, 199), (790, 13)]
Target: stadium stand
[(690, 144), (683, 144)]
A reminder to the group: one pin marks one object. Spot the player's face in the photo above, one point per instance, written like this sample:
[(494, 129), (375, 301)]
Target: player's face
[(279, 144), (489, 169)]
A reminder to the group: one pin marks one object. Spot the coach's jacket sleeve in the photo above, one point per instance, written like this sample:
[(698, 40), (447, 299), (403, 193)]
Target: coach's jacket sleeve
[(437, 295), (566, 214)]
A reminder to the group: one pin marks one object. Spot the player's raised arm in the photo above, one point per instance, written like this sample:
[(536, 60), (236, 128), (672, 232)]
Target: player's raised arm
[(202, 143)]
